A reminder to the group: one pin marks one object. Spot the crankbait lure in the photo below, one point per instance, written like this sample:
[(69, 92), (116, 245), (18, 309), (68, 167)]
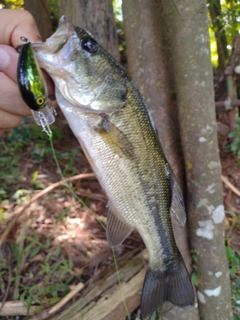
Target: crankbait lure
[(33, 88)]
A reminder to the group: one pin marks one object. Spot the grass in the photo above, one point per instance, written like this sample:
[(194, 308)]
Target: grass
[(51, 278)]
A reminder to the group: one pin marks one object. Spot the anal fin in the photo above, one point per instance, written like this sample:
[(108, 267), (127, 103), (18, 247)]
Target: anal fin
[(117, 228)]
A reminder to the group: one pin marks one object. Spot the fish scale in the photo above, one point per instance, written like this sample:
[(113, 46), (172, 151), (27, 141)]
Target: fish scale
[(118, 137)]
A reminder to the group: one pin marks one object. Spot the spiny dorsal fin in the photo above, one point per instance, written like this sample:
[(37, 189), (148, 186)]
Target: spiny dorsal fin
[(117, 228)]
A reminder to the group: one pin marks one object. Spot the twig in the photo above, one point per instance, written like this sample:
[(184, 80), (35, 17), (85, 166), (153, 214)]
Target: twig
[(227, 183), (20, 211), (17, 308), (68, 297)]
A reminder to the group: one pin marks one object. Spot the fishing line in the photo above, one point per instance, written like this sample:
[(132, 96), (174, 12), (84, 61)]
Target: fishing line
[(95, 216), (120, 283)]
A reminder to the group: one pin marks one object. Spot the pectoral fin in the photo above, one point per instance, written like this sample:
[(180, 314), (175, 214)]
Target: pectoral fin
[(116, 138), (178, 210), (117, 228)]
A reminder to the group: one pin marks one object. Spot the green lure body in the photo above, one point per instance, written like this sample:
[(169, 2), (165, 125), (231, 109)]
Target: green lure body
[(30, 79)]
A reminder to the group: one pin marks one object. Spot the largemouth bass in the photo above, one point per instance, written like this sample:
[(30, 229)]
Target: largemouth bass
[(109, 118)]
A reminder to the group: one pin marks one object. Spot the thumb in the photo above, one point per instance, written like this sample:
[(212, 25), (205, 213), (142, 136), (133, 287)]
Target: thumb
[(22, 24)]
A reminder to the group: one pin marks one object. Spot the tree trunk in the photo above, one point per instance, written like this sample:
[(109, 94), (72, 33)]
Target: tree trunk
[(150, 65), (95, 16), (41, 13), (172, 43), (188, 24)]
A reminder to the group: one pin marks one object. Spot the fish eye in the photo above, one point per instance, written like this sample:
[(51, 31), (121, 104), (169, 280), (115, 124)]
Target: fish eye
[(40, 101), (89, 45)]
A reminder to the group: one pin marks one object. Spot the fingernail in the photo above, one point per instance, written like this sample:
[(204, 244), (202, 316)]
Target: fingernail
[(4, 59)]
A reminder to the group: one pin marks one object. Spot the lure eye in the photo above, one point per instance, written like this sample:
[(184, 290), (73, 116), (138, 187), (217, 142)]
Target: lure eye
[(40, 101), (89, 45)]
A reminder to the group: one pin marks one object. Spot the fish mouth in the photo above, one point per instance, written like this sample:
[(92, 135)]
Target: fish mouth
[(57, 41)]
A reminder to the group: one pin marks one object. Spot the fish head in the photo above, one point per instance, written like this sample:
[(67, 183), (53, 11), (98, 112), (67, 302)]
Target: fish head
[(85, 75)]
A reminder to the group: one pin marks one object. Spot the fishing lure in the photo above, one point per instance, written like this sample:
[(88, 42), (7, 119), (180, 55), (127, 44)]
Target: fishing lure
[(33, 87)]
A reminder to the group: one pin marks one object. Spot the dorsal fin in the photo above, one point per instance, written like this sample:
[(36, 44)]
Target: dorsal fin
[(178, 210)]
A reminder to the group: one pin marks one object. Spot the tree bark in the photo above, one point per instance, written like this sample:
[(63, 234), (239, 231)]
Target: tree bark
[(41, 14), (95, 16), (188, 23)]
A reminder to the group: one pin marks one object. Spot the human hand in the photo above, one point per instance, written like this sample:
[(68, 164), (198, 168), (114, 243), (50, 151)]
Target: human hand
[(13, 25)]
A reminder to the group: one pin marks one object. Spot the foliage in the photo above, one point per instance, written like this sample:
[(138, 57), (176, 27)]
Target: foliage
[(228, 20), (234, 146), (50, 278), (53, 8), (234, 271), (195, 274), (12, 4)]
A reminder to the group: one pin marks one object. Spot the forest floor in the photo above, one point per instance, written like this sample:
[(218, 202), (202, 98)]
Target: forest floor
[(57, 242)]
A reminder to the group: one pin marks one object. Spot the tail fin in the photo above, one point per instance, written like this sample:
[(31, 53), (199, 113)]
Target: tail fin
[(172, 285)]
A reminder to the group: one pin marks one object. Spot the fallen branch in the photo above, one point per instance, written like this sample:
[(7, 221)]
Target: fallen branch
[(227, 183), (17, 308), (15, 216)]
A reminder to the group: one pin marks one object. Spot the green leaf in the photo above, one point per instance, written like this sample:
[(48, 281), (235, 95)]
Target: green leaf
[(58, 251), (154, 316), (69, 279), (70, 264), (236, 317), (35, 252), (195, 279), (233, 269), (34, 288), (29, 302), (48, 243), (230, 253)]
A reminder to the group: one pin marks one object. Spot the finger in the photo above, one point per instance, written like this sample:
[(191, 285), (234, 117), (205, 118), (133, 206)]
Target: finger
[(22, 24), (9, 120), (11, 99)]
